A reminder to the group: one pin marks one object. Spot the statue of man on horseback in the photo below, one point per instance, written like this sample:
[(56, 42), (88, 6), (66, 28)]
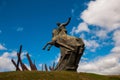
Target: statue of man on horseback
[(71, 47)]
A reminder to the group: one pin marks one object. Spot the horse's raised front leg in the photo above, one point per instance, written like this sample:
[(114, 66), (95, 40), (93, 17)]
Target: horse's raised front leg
[(45, 46), (49, 43)]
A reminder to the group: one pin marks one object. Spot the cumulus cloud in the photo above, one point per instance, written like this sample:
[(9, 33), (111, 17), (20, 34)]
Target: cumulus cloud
[(102, 34), (83, 36), (73, 31), (5, 61), (110, 64), (2, 47), (40, 66), (116, 49), (116, 37), (57, 58), (107, 65), (91, 45), (103, 13), (81, 27), (19, 29)]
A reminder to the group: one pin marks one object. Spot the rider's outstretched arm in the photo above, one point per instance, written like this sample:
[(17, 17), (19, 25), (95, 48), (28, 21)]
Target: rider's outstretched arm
[(68, 21)]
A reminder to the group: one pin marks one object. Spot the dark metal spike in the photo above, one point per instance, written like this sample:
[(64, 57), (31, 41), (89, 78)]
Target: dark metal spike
[(32, 66), (17, 69), (46, 69)]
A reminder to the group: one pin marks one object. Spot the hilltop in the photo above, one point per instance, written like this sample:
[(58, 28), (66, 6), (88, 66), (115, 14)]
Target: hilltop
[(55, 75)]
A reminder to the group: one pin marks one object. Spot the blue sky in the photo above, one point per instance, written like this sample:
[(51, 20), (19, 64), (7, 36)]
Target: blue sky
[(30, 23)]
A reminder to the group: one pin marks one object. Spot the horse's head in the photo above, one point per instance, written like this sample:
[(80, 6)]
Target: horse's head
[(54, 32), (59, 31), (62, 26)]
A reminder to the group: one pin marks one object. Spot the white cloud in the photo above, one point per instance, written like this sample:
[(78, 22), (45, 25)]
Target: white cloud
[(19, 29), (92, 45), (5, 61), (106, 15), (102, 34), (109, 65), (116, 37), (2, 47), (40, 65), (57, 58), (83, 36), (23, 54), (73, 31), (116, 49), (84, 59), (103, 13), (81, 27)]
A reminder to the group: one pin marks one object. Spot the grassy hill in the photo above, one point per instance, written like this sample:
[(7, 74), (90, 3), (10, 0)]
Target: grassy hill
[(63, 75)]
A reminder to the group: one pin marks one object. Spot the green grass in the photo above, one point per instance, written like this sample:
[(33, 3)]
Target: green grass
[(56, 75)]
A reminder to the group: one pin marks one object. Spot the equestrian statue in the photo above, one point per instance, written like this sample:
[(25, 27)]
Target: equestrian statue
[(71, 48)]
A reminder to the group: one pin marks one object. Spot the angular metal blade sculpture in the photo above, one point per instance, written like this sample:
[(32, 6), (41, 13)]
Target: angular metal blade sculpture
[(19, 61), (32, 66), (18, 69), (53, 67), (23, 66), (46, 69), (18, 54)]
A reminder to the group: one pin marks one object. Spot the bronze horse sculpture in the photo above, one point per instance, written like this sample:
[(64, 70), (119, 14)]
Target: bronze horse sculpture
[(71, 47)]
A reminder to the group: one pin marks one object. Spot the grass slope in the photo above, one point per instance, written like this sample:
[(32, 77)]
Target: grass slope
[(63, 75)]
